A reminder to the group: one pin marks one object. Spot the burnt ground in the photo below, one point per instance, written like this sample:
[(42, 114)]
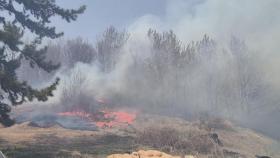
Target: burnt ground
[(210, 138)]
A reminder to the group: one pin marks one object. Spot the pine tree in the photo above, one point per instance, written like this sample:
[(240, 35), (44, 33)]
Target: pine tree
[(16, 18)]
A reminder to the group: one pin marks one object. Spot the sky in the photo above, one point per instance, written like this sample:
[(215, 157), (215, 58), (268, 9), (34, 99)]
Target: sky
[(256, 21), (100, 14)]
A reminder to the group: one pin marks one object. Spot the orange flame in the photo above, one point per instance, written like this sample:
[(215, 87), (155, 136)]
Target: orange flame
[(118, 118), (109, 118)]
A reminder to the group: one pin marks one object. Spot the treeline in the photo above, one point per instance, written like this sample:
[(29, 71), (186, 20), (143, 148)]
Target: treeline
[(168, 76)]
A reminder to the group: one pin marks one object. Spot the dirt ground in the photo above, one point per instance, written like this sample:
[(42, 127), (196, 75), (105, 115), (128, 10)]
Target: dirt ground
[(212, 138)]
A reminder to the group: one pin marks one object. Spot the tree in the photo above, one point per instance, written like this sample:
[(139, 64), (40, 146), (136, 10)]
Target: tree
[(16, 18), (108, 48), (79, 50)]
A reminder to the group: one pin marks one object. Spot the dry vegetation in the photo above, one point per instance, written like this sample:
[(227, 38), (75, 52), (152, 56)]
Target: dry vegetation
[(172, 141), (172, 78), (171, 135)]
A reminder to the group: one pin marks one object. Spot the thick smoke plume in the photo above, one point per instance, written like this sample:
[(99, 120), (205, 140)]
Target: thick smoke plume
[(231, 72)]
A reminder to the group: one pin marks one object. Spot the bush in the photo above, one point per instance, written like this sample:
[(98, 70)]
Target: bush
[(174, 141)]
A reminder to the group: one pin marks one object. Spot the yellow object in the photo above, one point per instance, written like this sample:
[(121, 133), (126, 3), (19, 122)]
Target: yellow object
[(144, 154)]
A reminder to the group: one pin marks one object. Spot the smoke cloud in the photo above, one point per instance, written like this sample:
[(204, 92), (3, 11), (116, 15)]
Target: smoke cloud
[(231, 73), (255, 22)]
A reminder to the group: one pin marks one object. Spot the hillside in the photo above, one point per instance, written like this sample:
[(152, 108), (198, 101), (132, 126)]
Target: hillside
[(214, 138)]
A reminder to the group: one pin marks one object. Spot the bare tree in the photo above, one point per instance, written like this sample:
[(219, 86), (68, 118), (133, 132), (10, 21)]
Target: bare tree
[(74, 96), (67, 53), (109, 48), (79, 50)]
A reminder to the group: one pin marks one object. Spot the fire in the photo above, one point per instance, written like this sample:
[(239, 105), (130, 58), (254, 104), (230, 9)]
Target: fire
[(116, 118), (105, 118)]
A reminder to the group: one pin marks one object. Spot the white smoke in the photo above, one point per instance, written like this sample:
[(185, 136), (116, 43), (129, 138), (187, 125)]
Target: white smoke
[(257, 22)]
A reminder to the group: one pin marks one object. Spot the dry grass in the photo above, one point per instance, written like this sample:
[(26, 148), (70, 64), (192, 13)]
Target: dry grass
[(171, 135), (173, 141), (179, 136), (211, 124), (25, 133)]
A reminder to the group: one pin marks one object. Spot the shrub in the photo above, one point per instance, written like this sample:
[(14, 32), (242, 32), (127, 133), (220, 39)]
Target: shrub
[(174, 141)]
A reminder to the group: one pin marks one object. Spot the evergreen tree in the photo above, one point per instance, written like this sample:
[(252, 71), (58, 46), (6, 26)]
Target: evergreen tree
[(16, 18)]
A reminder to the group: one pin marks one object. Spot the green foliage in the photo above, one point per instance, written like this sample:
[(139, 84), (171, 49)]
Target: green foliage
[(21, 16)]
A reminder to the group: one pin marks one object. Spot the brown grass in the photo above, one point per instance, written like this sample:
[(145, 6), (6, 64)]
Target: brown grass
[(171, 135), (174, 141)]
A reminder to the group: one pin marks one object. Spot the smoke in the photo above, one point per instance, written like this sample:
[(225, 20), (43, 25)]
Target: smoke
[(231, 73), (255, 22)]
